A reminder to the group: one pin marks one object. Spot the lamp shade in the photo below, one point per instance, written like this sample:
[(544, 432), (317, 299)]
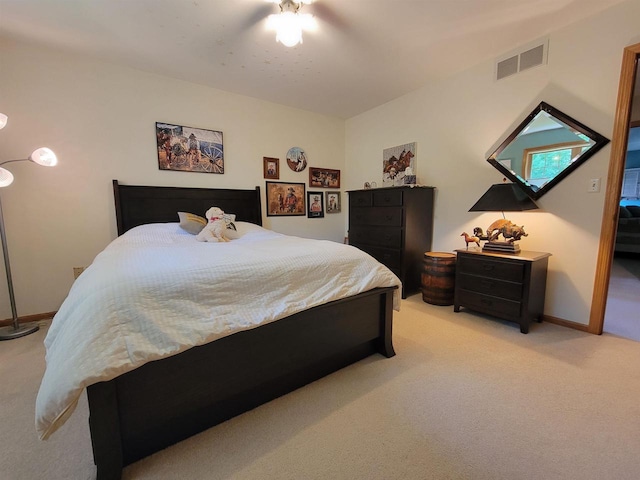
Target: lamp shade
[(6, 177), (504, 197), (44, 156)]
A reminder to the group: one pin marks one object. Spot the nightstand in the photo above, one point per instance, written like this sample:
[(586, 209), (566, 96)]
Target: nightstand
[(510, 287)]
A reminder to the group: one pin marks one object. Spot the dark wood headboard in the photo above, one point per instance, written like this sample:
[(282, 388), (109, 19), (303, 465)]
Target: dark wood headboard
[(138, 205)]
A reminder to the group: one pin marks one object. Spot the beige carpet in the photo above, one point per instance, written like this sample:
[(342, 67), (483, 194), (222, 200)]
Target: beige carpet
[(622, 315), (466, 397)]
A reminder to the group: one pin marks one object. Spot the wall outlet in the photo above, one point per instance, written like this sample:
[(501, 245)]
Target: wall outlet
[(594, 185), (77, 271)]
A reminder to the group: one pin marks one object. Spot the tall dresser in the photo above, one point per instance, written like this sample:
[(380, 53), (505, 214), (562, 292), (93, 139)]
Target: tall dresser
[(395, 226)]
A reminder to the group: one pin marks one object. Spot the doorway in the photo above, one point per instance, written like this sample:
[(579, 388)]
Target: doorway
[(619, 144), (622, 313)]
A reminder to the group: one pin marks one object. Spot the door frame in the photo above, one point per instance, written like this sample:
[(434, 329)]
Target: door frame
[(614, 187)]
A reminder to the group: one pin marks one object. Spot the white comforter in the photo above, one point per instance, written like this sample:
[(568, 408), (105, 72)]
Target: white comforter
[(156, 291)]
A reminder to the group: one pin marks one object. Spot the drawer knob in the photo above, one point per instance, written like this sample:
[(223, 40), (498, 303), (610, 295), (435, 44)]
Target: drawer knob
[(486, 301), (487, 267)]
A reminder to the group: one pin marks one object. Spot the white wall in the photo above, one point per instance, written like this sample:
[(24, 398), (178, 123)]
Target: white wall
[(100, 120), (457, 123)]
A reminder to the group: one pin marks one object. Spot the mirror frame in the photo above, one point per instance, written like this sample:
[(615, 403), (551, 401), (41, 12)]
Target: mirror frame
[(599, 142)]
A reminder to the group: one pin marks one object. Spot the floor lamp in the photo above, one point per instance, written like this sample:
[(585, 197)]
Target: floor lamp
[(41, 156)]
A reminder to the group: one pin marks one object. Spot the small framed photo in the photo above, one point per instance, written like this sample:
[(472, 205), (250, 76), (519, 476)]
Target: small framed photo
[(315, 201), (285, 199), (324, 178), (333, 202), (271, 167), (189, 149)]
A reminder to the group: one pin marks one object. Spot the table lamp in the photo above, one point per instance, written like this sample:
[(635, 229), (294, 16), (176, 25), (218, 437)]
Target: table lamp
[(503, 197)]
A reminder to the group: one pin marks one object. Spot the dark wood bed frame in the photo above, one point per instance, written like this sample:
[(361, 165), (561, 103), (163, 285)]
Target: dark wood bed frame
[(168, 400)]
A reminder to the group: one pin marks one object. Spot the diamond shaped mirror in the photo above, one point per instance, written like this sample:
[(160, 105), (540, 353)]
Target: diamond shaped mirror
[(546, 147)]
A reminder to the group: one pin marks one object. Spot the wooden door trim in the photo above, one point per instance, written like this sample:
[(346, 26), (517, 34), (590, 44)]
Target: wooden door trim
[(614, 186)]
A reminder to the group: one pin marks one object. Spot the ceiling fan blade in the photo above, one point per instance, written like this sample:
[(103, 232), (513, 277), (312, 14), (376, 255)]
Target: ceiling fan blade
[(259, 14), (327, 14)]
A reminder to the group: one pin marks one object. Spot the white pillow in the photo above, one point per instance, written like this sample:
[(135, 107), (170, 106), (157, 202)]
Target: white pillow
[(231, 232), (245, 227)]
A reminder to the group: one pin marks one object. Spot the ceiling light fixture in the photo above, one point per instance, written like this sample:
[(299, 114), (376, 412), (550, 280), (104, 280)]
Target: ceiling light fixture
[(289, 23)]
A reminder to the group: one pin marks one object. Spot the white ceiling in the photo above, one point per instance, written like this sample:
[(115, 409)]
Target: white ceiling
[(364, 53)]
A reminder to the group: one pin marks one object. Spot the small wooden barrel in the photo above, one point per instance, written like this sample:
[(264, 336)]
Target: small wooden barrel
[(438, 278)]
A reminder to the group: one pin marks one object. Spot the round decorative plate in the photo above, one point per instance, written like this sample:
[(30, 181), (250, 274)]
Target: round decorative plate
[(296, 159)]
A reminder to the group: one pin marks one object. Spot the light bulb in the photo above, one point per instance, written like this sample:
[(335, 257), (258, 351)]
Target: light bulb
[(289, 31), (3, 120), (6, 177), (44, 156)]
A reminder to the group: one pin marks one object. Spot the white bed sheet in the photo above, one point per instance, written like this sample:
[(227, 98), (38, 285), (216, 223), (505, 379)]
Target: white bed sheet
[(156, 291)]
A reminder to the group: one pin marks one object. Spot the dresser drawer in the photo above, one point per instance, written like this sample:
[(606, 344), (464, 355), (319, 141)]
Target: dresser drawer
[(387, 198), (381, 216), (499, 307), (387, 256), (491, 286), (360, 199), (376, 236), (488, 267)]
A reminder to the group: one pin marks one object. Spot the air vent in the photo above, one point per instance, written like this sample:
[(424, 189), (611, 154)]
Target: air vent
[(524, 58), (507, 67)]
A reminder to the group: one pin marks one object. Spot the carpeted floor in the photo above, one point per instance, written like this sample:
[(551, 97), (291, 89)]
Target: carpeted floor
[(466, 397), (630, 262), (622, 315)]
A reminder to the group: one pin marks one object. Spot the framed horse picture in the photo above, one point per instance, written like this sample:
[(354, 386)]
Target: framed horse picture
[(189, 149), (395, 161)]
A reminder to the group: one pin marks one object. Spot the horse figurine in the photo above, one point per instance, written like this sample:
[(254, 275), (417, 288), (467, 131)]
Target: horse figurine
[(470, 239)]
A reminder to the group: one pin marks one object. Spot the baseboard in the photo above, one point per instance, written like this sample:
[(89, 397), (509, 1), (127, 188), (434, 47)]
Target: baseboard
[(28, 318), (566, 323)]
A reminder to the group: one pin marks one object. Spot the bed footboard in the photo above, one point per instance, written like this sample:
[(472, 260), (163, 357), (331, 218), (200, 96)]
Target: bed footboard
[(166, 401)]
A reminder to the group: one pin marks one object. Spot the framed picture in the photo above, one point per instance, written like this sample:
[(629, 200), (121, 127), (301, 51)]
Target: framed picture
[(395, 161), (189, 149), (315, 201), (271, 167), (333, 202), (296, 159), (285, 199), (324, 178)]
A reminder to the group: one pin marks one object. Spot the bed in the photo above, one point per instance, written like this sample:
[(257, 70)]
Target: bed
[(162, 401)]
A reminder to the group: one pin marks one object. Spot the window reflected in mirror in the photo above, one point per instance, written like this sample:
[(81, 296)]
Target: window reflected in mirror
[(545, 148)]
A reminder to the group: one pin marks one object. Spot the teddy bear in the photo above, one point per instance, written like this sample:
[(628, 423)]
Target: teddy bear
[(214, 231)]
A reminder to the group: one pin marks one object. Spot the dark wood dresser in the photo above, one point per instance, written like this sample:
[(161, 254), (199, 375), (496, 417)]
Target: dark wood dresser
[(510, 287), (395, 226)]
